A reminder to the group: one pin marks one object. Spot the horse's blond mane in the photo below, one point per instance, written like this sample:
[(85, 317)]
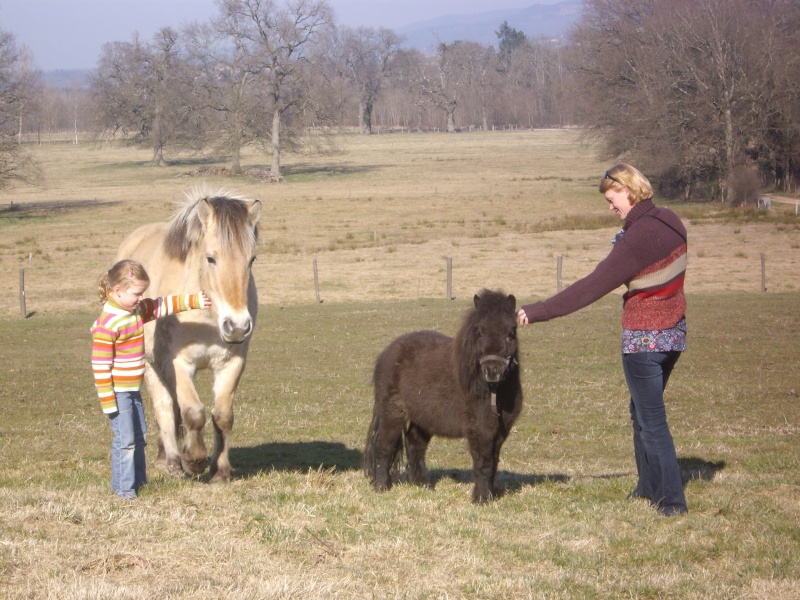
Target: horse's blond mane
[(230, 212)]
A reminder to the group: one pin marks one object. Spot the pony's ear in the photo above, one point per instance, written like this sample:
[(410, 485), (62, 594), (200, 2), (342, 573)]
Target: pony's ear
[(255, 212), (476, 299), (512, 302)]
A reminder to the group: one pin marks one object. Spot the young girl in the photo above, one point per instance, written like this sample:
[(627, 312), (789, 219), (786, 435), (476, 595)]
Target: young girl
[(118, 364)]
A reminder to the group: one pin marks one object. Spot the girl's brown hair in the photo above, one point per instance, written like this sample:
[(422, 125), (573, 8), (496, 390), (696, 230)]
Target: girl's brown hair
[(124, 273), (625, 176)]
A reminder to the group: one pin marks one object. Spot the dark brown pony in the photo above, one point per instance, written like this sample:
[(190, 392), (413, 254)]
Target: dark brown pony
[(427, 384)]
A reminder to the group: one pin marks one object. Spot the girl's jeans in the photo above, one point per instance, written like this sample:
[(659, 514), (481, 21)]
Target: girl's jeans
[(127, 446), (660, 480)]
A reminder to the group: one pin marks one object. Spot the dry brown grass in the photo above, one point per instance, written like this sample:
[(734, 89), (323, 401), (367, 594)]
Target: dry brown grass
[(381, 214)]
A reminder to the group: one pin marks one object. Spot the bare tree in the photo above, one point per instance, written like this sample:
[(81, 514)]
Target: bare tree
[(445, 79), (278, 36), (227, 90), (367, 57), (683, 87), (140, 91), (17, 80)]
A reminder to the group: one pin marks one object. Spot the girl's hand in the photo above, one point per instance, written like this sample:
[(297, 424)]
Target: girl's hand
[(205, 301), (522, 318)]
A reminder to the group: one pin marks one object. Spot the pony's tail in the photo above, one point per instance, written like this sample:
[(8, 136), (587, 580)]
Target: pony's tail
[(369, 464)]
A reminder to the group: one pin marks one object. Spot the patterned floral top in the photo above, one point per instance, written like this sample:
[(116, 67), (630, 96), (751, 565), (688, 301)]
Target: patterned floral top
[(664, 340)]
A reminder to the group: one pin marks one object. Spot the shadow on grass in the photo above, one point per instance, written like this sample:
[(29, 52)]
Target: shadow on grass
[(505, 482), (293, 456), (694, 468)]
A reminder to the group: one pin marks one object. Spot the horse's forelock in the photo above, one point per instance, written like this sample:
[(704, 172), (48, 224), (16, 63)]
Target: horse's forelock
[(232, 217), (231, 214)]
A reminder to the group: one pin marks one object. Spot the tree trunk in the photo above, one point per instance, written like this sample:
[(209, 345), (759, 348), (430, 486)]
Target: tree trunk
[(158, 155), (451, 120), (367, 117), (236, 165), (276, 143)]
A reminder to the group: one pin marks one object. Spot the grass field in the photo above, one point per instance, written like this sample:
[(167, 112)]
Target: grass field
[(299, 520)]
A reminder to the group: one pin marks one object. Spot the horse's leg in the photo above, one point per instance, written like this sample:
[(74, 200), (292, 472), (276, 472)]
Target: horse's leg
[(484, 448), (226, 381), (193, 415), (416, 441), (168, 458)]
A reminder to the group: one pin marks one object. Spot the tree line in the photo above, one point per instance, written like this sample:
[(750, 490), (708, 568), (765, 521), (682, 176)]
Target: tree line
[(702, 94)]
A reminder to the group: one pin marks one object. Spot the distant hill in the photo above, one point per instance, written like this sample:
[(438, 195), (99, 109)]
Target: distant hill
[(538, 21)]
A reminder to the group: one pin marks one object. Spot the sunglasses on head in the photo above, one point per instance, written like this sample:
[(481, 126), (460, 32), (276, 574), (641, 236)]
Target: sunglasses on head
[(612, 178)]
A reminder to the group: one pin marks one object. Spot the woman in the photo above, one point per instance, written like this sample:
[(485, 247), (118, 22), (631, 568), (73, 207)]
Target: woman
[(649, 257)]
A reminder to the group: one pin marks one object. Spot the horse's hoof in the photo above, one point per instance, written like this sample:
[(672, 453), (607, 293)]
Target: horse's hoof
[(194, 467), (173, 469), (220, 477)]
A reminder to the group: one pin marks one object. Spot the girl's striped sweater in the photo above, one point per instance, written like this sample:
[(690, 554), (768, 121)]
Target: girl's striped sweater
[(118, 343)]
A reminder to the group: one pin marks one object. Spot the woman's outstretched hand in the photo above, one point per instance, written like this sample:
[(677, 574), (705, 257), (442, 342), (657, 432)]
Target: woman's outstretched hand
[(522, 318)]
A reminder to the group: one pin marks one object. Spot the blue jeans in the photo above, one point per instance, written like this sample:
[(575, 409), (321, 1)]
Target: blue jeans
[(128, 472), (660, 480)]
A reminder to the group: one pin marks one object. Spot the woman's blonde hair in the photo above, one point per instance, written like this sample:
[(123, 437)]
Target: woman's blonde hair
[(625, 176), (125, 273)]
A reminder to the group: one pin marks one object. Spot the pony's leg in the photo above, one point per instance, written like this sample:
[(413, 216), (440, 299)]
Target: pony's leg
[(226, 381), (193, 415), (388, 441), (485, 451), (416, 442), (169, 458)]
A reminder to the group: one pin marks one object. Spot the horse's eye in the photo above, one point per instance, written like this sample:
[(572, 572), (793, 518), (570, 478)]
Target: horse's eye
[(477, 333), (512, 335), (211, 260), (252, 260)]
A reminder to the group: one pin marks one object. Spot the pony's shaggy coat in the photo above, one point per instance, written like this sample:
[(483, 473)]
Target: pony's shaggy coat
[(427, 384), (209, 245)]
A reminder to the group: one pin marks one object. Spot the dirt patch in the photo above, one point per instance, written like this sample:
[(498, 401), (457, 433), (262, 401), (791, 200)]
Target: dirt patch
[(258, 173)]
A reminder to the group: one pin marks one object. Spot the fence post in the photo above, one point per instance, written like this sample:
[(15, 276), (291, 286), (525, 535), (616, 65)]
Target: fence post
[(763, 273), (316, 282), (22, 308), (558, 272), (449, 277)]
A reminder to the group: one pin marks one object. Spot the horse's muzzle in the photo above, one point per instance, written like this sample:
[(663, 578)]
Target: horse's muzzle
[(236, 331), (494, 368)]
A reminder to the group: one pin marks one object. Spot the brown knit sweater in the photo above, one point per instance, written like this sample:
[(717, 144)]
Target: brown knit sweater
[(650, 259)]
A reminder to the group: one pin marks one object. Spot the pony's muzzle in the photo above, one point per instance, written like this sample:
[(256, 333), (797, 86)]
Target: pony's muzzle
[(236, 331), (494, 368)]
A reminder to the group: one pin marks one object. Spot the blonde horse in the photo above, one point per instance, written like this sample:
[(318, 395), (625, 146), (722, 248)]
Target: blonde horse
[(210, 244)]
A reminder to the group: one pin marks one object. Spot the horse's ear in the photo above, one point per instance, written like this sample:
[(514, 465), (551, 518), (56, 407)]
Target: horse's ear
[(255, 212), (476, 299), (204, 211), (512, 302)]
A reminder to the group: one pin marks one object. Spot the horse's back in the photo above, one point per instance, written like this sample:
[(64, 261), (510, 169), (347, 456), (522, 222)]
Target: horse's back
[(146, 244)]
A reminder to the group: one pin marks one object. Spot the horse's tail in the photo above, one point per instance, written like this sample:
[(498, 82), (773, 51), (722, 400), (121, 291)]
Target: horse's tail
[(369, 464)]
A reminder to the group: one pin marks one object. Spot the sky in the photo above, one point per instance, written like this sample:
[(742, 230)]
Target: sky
[(69, 34)]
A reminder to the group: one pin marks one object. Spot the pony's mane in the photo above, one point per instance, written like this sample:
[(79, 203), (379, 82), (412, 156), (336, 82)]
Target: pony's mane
[(230, 213)]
